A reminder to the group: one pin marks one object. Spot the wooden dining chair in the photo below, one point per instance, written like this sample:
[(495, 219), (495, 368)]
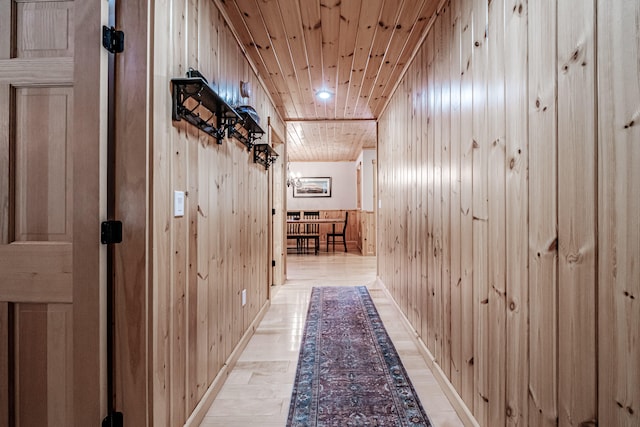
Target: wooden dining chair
[(341, 234), (293, 230), (312, 231)]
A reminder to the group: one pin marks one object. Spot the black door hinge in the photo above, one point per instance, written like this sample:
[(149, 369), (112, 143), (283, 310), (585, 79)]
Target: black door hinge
[(273, 211), (112, 39), (273, 263), (114, 419), (111, 232)]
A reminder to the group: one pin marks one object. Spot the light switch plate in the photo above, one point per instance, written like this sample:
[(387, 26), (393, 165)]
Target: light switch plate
[(178, 203)]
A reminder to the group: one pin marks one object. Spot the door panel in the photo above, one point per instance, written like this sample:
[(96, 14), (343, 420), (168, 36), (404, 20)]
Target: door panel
[(43, 198), (43, 343), (55, 21), (43, 164), (4, 364), (36, 272)]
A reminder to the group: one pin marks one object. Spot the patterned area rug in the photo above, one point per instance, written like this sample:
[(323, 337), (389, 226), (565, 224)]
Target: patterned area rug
[(349, 373)]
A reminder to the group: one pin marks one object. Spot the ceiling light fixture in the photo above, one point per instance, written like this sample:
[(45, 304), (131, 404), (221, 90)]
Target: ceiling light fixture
[(323, 94)]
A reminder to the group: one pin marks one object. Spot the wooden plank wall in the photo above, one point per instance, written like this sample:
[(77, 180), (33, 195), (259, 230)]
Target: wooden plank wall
[(524, 119), (366, 232), (202, 261)]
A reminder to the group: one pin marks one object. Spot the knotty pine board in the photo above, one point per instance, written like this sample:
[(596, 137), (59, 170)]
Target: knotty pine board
[(497, 214), (516, 215), (454, 213), (466, 202), (480, 212), (618, 239), (577, 198), (543, 257)]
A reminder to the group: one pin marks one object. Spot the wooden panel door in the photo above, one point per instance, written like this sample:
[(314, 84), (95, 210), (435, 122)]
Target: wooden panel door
[(50, 257)]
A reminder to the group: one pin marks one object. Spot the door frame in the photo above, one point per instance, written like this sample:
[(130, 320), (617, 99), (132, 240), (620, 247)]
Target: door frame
[(277, 198), (89, 202)]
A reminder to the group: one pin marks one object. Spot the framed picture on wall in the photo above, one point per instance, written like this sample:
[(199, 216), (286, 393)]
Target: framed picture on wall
[(313, 187)]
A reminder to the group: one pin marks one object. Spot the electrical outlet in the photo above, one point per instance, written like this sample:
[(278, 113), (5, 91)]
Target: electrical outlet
[(244, 297)]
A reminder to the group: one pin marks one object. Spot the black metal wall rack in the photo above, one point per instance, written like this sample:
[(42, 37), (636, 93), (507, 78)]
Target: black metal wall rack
[(253, 129), (264, 155), (197, 103)]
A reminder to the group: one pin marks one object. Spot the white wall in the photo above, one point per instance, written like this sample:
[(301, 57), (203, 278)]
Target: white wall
[(343, 181), (368, 156)]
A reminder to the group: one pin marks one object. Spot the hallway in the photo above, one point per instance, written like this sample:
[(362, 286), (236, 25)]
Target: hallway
[(259, 386)]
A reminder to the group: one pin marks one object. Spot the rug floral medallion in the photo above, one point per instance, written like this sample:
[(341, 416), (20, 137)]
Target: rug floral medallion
[(349, 373)]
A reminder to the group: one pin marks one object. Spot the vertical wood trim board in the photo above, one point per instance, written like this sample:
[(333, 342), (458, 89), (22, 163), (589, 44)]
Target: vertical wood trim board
[(514, 248), (131, 278)]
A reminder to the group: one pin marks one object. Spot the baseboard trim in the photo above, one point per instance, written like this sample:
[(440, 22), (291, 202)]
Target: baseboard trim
[(450, 392), (203, 406)]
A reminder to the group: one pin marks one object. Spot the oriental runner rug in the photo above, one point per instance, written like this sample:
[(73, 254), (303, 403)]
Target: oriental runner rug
[(349, 373)]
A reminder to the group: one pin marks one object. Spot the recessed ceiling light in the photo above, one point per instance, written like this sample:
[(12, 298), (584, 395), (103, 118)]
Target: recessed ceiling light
[(323, 94)]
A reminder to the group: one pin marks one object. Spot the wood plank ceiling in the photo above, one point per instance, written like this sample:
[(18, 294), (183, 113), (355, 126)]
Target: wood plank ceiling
[(356, 50)]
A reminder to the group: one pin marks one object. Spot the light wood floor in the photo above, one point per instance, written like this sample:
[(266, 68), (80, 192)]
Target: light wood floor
[(258, 389)]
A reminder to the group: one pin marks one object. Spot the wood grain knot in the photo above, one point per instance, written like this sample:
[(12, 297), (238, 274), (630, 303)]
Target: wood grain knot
[(574, 258), (575, 55)]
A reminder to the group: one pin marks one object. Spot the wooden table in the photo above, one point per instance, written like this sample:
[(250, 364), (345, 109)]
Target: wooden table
[(332, 221)]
